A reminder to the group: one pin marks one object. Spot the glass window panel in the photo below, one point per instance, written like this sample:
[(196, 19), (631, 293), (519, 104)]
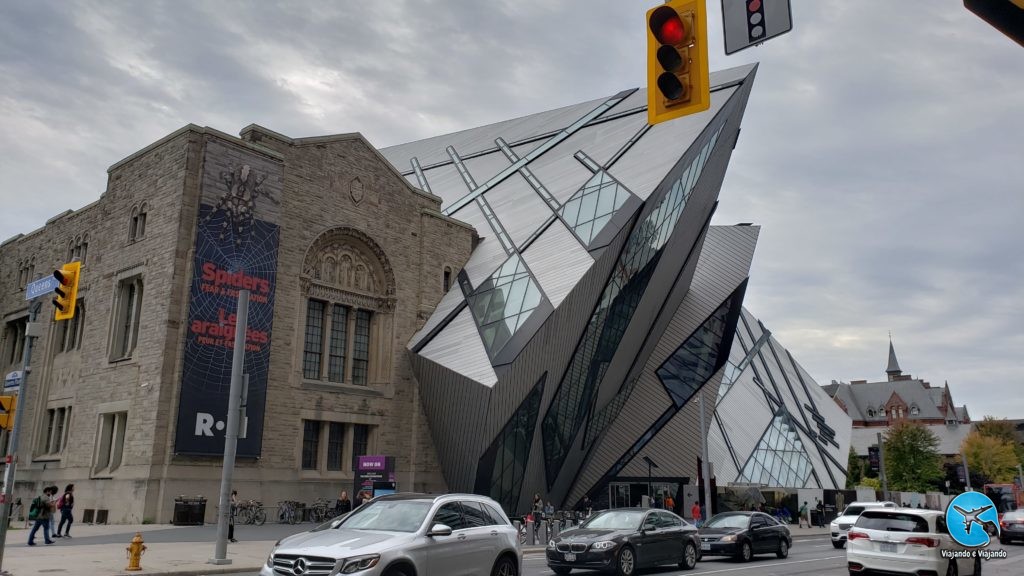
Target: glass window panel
[(310, 444), (339, 326), (313, 350), (335, 445), (361, 348)]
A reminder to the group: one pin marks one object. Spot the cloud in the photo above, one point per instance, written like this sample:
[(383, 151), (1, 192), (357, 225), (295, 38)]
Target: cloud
[(880, 150)]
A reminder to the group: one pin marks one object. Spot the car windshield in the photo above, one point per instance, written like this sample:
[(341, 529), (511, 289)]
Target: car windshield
[(728, 521), (1015, 515), (389, 516), (892, 522), (853, 510), (615, 520)]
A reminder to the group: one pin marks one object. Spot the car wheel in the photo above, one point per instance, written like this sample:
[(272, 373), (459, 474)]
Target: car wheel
[(951, 570), (560, 570), (838, 545), (783, 551), (1004, 541), (745, 553), (399, 571), (689, 561), (977, 566), (627, 562), (504, 567)]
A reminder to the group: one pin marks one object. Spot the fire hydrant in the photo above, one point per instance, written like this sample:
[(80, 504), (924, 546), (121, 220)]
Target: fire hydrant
[(135, 551)]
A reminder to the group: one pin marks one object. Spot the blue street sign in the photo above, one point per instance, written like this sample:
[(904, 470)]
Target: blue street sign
[(40, 287), (13, 380)]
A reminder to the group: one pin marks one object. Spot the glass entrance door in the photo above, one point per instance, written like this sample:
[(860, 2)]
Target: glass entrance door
[(618, 495)]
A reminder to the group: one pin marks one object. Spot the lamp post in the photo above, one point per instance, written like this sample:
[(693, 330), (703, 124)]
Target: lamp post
[(650, 465)]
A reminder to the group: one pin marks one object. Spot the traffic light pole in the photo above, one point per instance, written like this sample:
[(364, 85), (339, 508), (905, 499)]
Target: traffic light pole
[(12, 448), (220, 555)]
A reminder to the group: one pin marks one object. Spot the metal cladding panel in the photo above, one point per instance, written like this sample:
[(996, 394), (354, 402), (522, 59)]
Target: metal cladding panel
[(744, 414), (644, 166), (459, 348), (603, 140), (723, 264), (444, 181), (449, 302), (558, 262), (453, 424), (488, 254), (432, 150), (411, 179), (834, 416), (725, 468), (483, 168), (560, 172), (518, 207), (676, 449)]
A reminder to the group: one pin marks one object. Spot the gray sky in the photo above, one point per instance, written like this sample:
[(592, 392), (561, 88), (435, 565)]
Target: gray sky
[(881, 150)]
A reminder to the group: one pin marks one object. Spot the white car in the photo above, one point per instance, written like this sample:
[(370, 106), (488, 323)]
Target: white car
[(405, 535), (841, 525), (905, 541)]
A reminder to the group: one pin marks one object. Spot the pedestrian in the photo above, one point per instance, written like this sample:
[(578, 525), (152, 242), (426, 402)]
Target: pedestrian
[(670, 503), (41, 511), (53, 516), (537, 511), (803, 516), (66, 504), (549, 510), (232, 511), (343, 505), (586, 506), (821, 513), (359, 499), (695, 514)]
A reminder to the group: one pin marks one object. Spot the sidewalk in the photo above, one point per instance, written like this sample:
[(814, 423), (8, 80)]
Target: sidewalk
[(100, 550)]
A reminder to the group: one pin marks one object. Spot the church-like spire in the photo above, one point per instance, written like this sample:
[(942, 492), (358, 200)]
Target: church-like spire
[(894, 366)]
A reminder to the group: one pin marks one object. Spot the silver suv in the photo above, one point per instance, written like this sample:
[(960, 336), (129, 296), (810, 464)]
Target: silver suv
[(406, 535)]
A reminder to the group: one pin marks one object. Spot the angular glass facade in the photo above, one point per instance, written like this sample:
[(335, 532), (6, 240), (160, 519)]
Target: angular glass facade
[(779, 459), (608, 323), (503, 302), (734, 371), (500, 471), (592, 206)]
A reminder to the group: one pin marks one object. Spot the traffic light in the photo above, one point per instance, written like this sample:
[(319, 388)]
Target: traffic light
[(678, 81), (66, 290), (7, 405)]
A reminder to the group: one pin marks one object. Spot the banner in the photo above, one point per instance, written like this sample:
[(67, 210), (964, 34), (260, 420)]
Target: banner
[(237, 237), (375, 471)]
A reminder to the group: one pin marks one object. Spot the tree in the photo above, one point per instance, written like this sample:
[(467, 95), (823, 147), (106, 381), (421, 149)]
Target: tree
[(871, 483), (1004, 430), (990, 457), (912, 459), (854, 469)]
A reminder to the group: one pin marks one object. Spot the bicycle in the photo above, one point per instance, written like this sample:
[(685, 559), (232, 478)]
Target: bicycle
[(319, 511), (252, 512), (287, 512)]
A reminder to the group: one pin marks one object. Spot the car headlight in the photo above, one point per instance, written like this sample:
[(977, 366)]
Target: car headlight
[(729, 538), (603, 545), (270, 558), (551, 543), (359, 563)]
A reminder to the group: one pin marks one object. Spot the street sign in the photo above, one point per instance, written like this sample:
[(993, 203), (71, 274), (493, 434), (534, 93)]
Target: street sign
[(751, 22), (40, 287), (13, 381)]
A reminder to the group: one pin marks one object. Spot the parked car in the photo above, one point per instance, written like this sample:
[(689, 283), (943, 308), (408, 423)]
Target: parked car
[(744, 534), (406, 534), (1011, 526), (624, 540), (841, 525), (905, 541)]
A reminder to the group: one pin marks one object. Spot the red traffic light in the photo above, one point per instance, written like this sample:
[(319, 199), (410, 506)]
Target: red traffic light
[(61, 278), (672, 31)]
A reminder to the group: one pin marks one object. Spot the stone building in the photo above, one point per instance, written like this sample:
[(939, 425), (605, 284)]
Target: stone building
[(345, 261)]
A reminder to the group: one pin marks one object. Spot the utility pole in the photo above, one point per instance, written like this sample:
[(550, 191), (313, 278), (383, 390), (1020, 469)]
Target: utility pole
[(32, 331), (967, 474), (881, 466), (1020, 477), (220, 555)]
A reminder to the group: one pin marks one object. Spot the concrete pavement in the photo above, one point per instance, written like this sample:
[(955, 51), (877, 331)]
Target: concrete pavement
[(171, 550)]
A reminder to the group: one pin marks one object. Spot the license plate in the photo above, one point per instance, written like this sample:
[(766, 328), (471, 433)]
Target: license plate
[(705, 546), (570, 557), (887, 547)]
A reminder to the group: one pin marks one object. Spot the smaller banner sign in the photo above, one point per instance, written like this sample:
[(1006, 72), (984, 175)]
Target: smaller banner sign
[(372, 471)]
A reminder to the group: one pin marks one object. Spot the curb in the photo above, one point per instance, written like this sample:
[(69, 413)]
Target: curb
[(193, 572)]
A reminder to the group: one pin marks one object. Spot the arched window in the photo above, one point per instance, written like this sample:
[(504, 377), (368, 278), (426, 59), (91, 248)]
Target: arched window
[(915, 411), (447, 279), (871, 412), (349, 309), (137, 224)]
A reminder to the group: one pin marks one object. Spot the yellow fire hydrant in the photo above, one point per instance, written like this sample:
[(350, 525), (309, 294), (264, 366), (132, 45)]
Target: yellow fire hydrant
[(135, 551)]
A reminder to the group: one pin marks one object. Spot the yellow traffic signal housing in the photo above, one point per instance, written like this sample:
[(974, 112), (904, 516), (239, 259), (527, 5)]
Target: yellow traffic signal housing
[(7, 406), (66, 291), (678, 80)]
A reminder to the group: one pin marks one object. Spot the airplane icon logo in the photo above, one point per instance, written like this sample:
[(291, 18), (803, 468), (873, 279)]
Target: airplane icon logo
[(972, 519)]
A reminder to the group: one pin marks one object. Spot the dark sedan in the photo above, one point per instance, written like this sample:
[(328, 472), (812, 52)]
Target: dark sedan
[(1011, 526), (743, 534), (624, 540)]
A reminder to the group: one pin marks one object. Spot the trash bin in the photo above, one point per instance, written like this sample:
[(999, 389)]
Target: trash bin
[(189, 511)]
